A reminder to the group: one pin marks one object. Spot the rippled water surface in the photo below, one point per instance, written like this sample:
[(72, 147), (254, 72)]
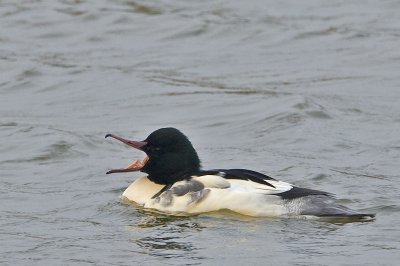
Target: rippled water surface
[(305, 91)]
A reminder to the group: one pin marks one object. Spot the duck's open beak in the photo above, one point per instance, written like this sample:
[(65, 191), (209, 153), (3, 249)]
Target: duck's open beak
[(136, 165)]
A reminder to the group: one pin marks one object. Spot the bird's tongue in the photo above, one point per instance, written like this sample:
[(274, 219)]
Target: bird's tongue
[(135, 166)]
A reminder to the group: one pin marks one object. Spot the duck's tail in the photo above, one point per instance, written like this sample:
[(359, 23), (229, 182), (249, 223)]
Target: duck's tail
[(326, 207)]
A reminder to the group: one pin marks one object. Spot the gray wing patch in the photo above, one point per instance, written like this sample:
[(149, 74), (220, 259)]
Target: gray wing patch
[(191, 189), (198, 196), (189, 186)]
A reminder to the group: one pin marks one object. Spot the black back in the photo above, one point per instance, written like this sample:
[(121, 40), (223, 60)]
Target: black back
[(298, 192), (242, 174)]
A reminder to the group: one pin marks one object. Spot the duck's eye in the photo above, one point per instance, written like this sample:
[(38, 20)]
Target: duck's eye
[(152, 149)]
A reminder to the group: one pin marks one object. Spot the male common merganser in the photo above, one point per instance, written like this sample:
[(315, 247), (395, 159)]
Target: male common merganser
[(176, 184)]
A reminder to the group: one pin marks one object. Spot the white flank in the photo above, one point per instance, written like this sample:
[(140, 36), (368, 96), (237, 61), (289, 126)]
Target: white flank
[(242, 196)]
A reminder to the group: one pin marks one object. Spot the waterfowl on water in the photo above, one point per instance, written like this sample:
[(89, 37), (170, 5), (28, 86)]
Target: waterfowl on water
[(176, 184)]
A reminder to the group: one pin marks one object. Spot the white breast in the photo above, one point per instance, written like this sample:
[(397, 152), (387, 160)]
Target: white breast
[(141, 190)]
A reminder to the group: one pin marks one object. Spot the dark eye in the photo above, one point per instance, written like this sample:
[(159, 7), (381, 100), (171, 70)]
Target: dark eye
[(152, 148)]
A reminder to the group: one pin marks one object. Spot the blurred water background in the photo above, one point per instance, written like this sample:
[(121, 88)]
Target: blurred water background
[(305, 91)]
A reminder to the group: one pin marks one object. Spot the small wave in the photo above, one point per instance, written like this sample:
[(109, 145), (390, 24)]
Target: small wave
[(8, 124), (237, 92), (144, 9), (345, 172), (385, 209), (320, 177), (318, 114), (55, 151), (318, 33), (313, 109)]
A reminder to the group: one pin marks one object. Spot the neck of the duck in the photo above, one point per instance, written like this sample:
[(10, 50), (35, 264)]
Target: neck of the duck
[(172, 167), (169, 179), (169, 172)]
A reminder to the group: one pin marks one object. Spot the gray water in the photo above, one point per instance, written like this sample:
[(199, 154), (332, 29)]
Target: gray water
[(305, 91)]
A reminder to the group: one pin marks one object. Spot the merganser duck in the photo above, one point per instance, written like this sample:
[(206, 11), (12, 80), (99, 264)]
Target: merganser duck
[(175, 184)]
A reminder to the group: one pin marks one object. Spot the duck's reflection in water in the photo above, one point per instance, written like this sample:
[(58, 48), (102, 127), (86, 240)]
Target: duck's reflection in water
[(165, 236)]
